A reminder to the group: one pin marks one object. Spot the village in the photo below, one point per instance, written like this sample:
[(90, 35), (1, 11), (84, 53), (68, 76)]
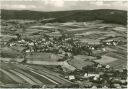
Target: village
[(74, 59)]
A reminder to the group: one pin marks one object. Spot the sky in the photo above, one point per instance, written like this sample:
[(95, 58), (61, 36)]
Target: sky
[(62, 5)]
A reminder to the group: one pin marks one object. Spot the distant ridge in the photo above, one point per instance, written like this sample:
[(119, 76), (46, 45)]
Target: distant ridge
[(107, 15)]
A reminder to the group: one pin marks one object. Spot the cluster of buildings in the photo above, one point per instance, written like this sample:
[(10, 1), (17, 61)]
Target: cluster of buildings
[(50, 45), (114, 41), (99, 76), (65, 46)]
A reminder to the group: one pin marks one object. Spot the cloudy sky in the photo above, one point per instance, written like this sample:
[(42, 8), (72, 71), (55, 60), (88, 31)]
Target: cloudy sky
[(59, 5)]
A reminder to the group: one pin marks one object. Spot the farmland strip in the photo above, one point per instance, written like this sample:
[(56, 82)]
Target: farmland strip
[(44, 77), (12, 76), (62, 80), (29, 76), (24, 77), (1, 83)]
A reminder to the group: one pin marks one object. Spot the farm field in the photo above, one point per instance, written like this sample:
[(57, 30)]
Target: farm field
[(113, 54), (106, 60), (12, 73), (41, 54), (91, 32), (63, 44)]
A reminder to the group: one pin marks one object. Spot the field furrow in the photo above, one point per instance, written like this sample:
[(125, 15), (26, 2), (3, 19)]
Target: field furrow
[(13, 76), (29, 76), (24, 77)]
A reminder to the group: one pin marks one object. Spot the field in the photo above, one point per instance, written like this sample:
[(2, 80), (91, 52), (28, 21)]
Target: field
[(80, 61), (104, 43), (93, 32), (28, 74)]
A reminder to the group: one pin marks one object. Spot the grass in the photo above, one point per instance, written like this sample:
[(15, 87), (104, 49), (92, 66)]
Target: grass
[(7, 52), (94, 35), (5, 79), (115, 55), (91, 32), (38, 77), (90, 41), (120, 55), (22, 69), (80, 61), (106, 59), (12, 76), (118, 64), (42, 57)]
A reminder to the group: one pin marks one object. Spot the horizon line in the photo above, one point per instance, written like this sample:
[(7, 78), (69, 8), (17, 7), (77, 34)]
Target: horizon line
[(60, 10)]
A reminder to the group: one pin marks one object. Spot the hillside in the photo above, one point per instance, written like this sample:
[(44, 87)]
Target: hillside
[(107, 15)]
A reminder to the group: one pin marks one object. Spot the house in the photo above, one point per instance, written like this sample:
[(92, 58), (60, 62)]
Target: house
[(107, 67), (12, 44), (71, 77), (95, 78), (99, 66), (28, 51), (86, 75)]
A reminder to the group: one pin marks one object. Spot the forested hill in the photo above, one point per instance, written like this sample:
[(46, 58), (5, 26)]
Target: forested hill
[(107, 15)]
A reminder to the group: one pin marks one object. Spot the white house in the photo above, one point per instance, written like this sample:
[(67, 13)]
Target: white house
[(71, 77), (91, 75), (107, 66)]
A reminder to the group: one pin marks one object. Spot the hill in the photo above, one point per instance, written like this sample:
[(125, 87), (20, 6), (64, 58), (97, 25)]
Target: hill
[(107, 15)]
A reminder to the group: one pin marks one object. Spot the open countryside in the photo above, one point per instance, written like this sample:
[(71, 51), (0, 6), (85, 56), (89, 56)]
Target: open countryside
[(72, 51)]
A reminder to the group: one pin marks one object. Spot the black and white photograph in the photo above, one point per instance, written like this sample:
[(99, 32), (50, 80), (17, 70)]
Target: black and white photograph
[(63, 44)]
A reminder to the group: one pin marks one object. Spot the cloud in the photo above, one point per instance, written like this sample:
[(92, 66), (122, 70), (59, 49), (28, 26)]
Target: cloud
[(110, 4), (7, 6), (57, 3), (99, 3), (14, 6)]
